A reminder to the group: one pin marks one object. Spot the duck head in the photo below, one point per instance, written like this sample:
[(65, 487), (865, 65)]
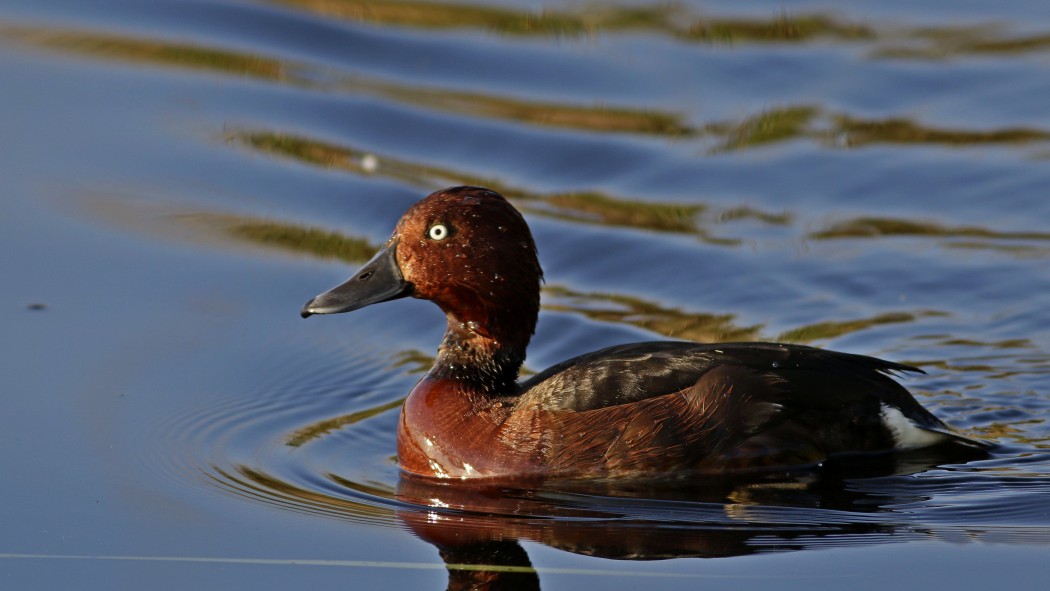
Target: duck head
[(469, 251)]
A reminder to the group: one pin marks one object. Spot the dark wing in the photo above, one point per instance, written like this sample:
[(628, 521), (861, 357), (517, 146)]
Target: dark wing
[(618, 375), (648, 407), (811, 378)]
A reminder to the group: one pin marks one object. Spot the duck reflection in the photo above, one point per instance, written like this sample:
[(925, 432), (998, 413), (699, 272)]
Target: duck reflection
[(477, 528)]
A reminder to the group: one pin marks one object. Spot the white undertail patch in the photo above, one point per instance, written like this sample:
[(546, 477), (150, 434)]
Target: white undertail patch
[(906, 434)]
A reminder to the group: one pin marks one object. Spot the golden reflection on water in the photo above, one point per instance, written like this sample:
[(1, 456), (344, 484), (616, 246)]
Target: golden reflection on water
[(150, 52), (672, 21), (869, 227), (321, 428), (578, 207), (852, 131), (256, 483), (1013, 243), (779, 125), (635, 311), (308, 241), (595, 118), (772, 126), (693, 218), (833, 329), (444, 15)]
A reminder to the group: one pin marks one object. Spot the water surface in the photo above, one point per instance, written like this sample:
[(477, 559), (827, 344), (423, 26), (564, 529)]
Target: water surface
[(179, 176)]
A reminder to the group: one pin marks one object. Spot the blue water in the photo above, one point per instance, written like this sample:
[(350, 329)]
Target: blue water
[(864, 178)]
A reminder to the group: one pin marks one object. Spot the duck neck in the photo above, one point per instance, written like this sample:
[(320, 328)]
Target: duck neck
[(483, 360)]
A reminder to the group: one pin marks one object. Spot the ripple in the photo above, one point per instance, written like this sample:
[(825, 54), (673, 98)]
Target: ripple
[(282, 441)]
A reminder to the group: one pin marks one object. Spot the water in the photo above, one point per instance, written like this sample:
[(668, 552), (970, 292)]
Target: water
[(179, 176)]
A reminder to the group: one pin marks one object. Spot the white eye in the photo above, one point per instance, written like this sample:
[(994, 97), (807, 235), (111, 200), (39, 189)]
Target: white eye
[(438, 232)]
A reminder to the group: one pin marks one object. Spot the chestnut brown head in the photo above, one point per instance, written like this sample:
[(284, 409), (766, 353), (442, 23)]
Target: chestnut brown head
[(464, 248)]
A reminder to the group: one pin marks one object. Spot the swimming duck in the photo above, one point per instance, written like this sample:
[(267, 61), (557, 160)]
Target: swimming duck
[(638, 410)]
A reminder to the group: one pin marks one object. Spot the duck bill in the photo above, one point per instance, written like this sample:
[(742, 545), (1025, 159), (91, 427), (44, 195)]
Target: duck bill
[(380, 280)]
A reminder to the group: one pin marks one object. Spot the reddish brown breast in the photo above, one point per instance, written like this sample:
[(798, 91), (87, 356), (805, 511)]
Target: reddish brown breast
[(446, 432)]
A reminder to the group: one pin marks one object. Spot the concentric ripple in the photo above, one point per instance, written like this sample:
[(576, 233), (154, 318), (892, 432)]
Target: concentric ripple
[(309, 439)]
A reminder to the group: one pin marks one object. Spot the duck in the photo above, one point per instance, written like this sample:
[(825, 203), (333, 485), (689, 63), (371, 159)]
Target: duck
[(641, 410)]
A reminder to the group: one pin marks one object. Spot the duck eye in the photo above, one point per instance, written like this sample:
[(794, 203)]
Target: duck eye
[(437, 232)]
